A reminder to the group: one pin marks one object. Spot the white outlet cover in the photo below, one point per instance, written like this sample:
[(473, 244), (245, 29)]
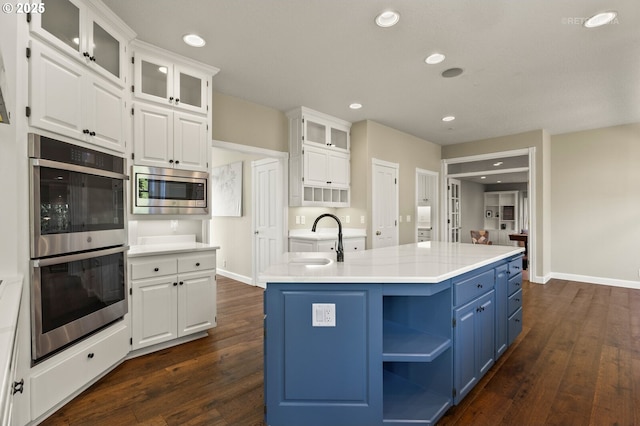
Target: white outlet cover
[(323, 314)]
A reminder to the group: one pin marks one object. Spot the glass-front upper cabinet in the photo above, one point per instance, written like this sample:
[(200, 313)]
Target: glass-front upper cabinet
[(81, 32), (159, 79), (325, 130)]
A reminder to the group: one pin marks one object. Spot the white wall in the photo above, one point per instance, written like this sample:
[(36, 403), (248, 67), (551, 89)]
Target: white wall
[(595, 205), (472, 208)]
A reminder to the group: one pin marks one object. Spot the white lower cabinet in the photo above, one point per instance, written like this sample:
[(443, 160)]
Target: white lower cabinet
[(172, 296), (349, 244), (56, 379)]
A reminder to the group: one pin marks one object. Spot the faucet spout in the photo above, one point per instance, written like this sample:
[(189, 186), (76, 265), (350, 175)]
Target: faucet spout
[(339, 251)]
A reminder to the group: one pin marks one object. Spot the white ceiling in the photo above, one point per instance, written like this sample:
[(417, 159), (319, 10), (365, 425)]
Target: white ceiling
[(528, 64)]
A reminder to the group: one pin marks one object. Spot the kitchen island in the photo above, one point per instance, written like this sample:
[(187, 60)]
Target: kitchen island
[(390, 336)]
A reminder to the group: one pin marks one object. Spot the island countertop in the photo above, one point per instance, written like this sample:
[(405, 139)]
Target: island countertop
[(426, 262)]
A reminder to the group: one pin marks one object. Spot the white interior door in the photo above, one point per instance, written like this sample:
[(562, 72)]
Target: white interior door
[(384, 221), (267, 217), (453, 211)]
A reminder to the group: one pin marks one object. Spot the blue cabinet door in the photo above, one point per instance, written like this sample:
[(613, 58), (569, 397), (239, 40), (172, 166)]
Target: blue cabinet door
[(474, 343), (502, 315), (320, 373)]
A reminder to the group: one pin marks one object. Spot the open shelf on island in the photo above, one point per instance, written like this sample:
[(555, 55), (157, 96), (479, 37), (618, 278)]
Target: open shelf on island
[(401, 343), (407, 402)]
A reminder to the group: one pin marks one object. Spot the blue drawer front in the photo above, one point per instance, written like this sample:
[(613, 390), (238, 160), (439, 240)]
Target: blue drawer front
[(515, 266), (515, 283), (515, 325), (472, 287), (515, 302)]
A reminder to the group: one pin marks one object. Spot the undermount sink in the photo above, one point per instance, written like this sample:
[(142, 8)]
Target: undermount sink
[(311, 261)]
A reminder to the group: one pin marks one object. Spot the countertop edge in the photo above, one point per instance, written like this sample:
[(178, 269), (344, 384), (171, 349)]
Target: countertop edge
[(160, 249)]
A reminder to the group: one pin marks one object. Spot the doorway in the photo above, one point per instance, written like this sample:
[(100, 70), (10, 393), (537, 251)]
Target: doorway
[(384, 198), (240, 246), (500, 172), (426, 213)]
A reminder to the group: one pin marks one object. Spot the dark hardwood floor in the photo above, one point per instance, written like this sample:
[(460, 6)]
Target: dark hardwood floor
[(577, 362)]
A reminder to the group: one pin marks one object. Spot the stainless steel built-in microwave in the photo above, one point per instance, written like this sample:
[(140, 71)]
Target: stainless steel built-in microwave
[(168, 191)]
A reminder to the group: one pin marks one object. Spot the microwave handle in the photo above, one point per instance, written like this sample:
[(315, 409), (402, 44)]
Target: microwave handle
[(39, 162), (38, 263)]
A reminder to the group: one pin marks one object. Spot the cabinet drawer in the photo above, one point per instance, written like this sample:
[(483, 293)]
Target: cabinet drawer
[(472, 287), (197, 262), (353, 244), (153, 267), (77, 367), (515, 301), (515, 266), (515, 283), (515, 325)]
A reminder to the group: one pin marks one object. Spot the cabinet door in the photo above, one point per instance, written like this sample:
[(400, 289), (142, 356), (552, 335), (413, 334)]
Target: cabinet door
[(56, 94), (190, 144), (501, 310), (301, 245), (191, 89), (314, 169), (153, 135), (339, 138), (314, 131), (327, 246), (154, 311), (62, 25), (196, 302), (338, 174), (353, 244), (106, 49), (485, 332), (465, 371), (105, 114), (153, 78)]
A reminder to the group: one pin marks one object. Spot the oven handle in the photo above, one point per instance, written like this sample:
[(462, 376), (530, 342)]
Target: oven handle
[(39, 162), (38, 263)]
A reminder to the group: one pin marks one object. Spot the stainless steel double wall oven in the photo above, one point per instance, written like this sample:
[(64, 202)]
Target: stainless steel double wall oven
[(78, 242)]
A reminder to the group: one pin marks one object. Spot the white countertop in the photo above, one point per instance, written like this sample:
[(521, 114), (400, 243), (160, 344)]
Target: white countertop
[(168, 248), (168, 244), (10, 295), (427, 262), (327, 233)]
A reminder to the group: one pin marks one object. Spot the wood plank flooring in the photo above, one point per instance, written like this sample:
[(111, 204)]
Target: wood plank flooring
[(577, 362)]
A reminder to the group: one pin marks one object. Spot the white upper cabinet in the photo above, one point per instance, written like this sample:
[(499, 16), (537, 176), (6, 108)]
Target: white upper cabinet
[(65, 99), (319, 159), (167, 138), (162, 79), (90, 34), (322, 129)]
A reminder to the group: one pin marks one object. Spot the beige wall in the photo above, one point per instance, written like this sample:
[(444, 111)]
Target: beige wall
[(233, 234), (472, 218), (595, 203), (373, 140), (243, 122), (539, 139)]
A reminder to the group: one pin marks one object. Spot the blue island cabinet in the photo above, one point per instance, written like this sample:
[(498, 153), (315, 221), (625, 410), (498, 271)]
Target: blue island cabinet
[(365, 354), (357, 354)]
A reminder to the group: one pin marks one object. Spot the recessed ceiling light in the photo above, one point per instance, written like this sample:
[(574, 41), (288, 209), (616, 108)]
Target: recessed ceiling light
[(498, 181), (388, 18), (448, 118), (483, 177), (194, 40), (600, 19), (355, 105), (434, 58), (499, 163), (452, 72), (163, 70), (76, 40)]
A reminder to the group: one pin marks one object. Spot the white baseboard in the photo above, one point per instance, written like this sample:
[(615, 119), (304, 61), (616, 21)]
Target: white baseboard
[(234, 276), (596, 280)]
